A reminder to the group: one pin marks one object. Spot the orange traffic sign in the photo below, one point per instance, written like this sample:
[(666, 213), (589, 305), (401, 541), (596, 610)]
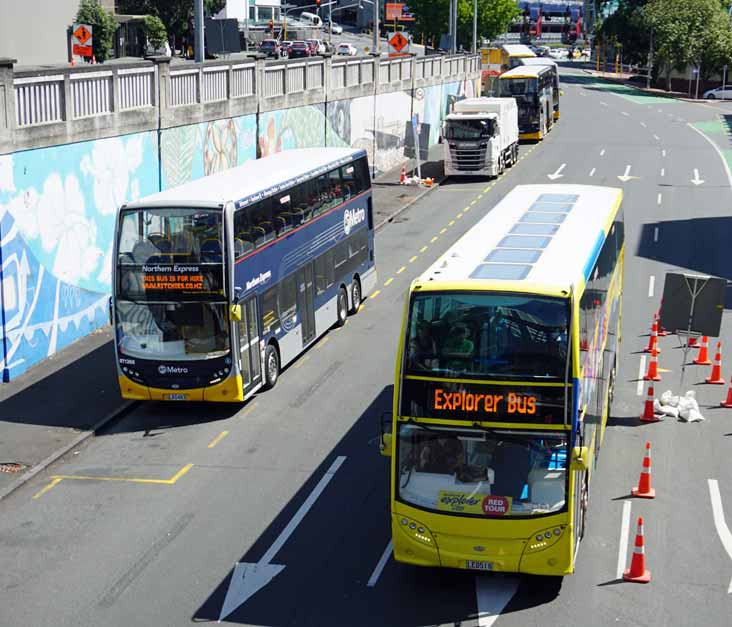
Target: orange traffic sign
[(398, 42), (82, 34)]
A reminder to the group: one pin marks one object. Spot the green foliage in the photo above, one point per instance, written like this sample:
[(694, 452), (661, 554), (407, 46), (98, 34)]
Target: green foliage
[(173, 13), (627, 27), (494, 16), (103, 27), (155, 31)]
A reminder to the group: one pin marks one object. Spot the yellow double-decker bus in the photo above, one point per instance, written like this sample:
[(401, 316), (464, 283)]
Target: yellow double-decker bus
[(504, 378)]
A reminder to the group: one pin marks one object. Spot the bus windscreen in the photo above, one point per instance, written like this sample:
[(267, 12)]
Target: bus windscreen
[(480, 334)]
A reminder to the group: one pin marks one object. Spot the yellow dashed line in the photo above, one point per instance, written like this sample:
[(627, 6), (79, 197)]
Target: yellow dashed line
[(443, 231), (433, 240), (388, 282), (459, 216), (451, 223), (252, 407), (487, 189), (375, 294), (423, 249), (473, 202), (170, 481), (402, 269), (301, 362), (466, 209), (413, 259), (218, 439), (480, 196), (322, 342)]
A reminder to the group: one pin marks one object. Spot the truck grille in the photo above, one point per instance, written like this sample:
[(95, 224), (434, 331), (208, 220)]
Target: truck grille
[(468, 159)]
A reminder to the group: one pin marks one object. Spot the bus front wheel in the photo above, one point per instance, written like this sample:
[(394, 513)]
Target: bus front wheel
[(271, 366), (342, 307), (355, 296)]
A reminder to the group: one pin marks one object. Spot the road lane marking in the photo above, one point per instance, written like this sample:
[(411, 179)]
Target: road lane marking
[(719, 152), (651, 285), (602, 152), (466, 209), (480, 196), (644, 125), (722, 529), (663, 171), (623, 548), (655, 234), (592, 172), (626, 114), (487, 189), (170, 481), (301, 362), (218, 439), (663, 152), (459, 216), (53, 484), (443, 231), (658, 139), (434, 239), (641, 372), (248, 578), (413, 259), (375, 294), (380, 566), (659, 198), (388, 282), (423, 249), (251, 407), (402, 269), (604, 104), (322, 342), (451, 222), (473, 202), (492, 595)]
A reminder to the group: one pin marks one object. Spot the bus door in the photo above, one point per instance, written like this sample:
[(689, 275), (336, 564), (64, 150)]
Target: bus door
[(306, 302), (249, 357)]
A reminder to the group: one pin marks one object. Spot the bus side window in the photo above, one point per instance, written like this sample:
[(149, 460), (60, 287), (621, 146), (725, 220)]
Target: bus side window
[(283, 217), (363, 177), (337, 195), (262, 226), (348, 177), (270, 317), (288, 298), (324, 272), (243, 242), (320, 195)]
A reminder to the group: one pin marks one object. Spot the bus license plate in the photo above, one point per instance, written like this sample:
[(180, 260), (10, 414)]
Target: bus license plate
[(476, 565), (176, 397)]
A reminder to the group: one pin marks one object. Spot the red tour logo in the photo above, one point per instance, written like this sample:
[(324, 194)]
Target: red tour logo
[(495, 505)]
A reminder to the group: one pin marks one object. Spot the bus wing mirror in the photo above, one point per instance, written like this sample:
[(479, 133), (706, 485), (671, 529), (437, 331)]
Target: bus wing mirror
[(111, 315), (580, 458), (385, 433), (235, 312)]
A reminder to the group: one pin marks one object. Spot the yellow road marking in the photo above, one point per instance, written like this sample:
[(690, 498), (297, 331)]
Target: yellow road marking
[(487, 189), (40, 493), (451, 223), (322, 342), (413, 259), (170, 481), (443, 231), (388, 282), (375, 294), (251, 407), (480, 196), (302, 361), (466, 209), (459, 216), (423, 249), (433, 240), (218, 439), (402, 269), (360, 308), (473, 202)]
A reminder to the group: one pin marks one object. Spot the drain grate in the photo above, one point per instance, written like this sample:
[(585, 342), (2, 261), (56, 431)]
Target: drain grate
[(12, 467)]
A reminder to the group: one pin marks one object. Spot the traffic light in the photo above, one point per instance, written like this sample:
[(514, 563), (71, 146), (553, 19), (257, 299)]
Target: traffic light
[(271, 26), (317, 6)]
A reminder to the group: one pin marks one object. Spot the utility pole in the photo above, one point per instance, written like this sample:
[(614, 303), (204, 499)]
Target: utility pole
[(475, 26), (330, 21), (198, 30), (376, 28), (650, 63)]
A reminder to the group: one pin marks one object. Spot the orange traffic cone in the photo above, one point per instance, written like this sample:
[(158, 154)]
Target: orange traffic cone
[(652, 373), (716, 376), (728, 401), (644, 489), (702, 359), (403, 176), (661, 331), (653, 339), (637, 572), (648, 415)]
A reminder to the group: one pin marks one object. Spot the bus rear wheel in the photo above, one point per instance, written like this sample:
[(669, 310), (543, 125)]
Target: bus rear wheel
[(271, 366), (355, 296), (341, 307)]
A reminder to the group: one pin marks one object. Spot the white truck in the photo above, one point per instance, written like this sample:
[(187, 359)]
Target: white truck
[(480, 137)]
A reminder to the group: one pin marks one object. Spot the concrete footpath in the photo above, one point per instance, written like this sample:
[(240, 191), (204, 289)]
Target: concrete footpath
[(61, 402)]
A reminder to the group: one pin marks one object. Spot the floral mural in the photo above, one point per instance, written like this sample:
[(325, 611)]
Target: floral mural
[(284, 129)]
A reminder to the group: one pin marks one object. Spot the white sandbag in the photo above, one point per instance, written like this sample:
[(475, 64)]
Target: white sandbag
[(689, 408), (668, 398)]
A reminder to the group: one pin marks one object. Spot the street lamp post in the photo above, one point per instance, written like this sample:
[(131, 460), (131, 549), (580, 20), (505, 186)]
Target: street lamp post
[(475, 26)]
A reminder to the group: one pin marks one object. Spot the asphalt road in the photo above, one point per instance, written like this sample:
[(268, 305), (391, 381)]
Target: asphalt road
[(144, 525)]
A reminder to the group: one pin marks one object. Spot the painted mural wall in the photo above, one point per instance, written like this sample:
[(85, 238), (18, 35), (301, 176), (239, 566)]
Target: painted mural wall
[(58, 204)]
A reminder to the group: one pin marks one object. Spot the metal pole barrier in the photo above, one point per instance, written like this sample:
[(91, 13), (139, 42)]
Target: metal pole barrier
[(198, 30)]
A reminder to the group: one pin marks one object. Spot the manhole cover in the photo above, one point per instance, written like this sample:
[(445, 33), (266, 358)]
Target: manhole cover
[(11, 467)]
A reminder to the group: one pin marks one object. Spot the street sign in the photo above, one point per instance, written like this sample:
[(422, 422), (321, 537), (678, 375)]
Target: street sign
[(81, 42), (398, 42), (393, 11)]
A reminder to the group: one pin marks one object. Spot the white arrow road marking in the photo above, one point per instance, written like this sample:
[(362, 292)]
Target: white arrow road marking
[(249, 578), (696, 180), (719, 152), (722, 529), (592, 172), (493, 594), (626, 177), (651, 285), (558, 174)]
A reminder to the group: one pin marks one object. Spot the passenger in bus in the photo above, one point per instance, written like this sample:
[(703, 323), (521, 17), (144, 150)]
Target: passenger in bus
[(422, 348), (458, 346), (511, 464), (441, 455)]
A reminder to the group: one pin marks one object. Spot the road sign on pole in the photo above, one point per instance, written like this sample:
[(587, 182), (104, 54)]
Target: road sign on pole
[(398, 42), (81, 40)]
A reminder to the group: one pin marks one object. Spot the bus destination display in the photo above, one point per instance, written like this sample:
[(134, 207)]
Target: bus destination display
[(172, 281)]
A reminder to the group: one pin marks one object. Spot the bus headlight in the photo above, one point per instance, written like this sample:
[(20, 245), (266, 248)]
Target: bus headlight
[(545, 538), (417, 531)]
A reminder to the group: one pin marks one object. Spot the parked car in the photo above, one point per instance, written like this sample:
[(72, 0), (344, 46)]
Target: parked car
[(332, 28), (299, 49), (271, 48), (347, 49), (317, 46), (718, 93), (285, 48)]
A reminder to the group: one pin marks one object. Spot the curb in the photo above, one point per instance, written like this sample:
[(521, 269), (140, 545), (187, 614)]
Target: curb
[(27, 476), (419, 196)]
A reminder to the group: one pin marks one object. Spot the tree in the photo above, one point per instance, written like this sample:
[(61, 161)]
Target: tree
[(174, 14), (627, 28), (103, 27), (155, 31), (494, 16)]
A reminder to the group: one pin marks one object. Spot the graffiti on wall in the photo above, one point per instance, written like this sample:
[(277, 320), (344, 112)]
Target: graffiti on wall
[(284, 129)]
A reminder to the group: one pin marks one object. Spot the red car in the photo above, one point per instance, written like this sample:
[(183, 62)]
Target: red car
[(299, 49)]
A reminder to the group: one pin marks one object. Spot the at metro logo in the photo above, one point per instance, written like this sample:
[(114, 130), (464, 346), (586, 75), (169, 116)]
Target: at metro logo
[(351, 218)]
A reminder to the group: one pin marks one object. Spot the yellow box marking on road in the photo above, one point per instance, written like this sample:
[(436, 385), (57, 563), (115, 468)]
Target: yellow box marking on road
[(451, 222), (433, 240), (218, 439), (56, 479), (40, 493), (402, 269), (443, 231), (375, 294), (413, 259), (423, 249), (388, 282)]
